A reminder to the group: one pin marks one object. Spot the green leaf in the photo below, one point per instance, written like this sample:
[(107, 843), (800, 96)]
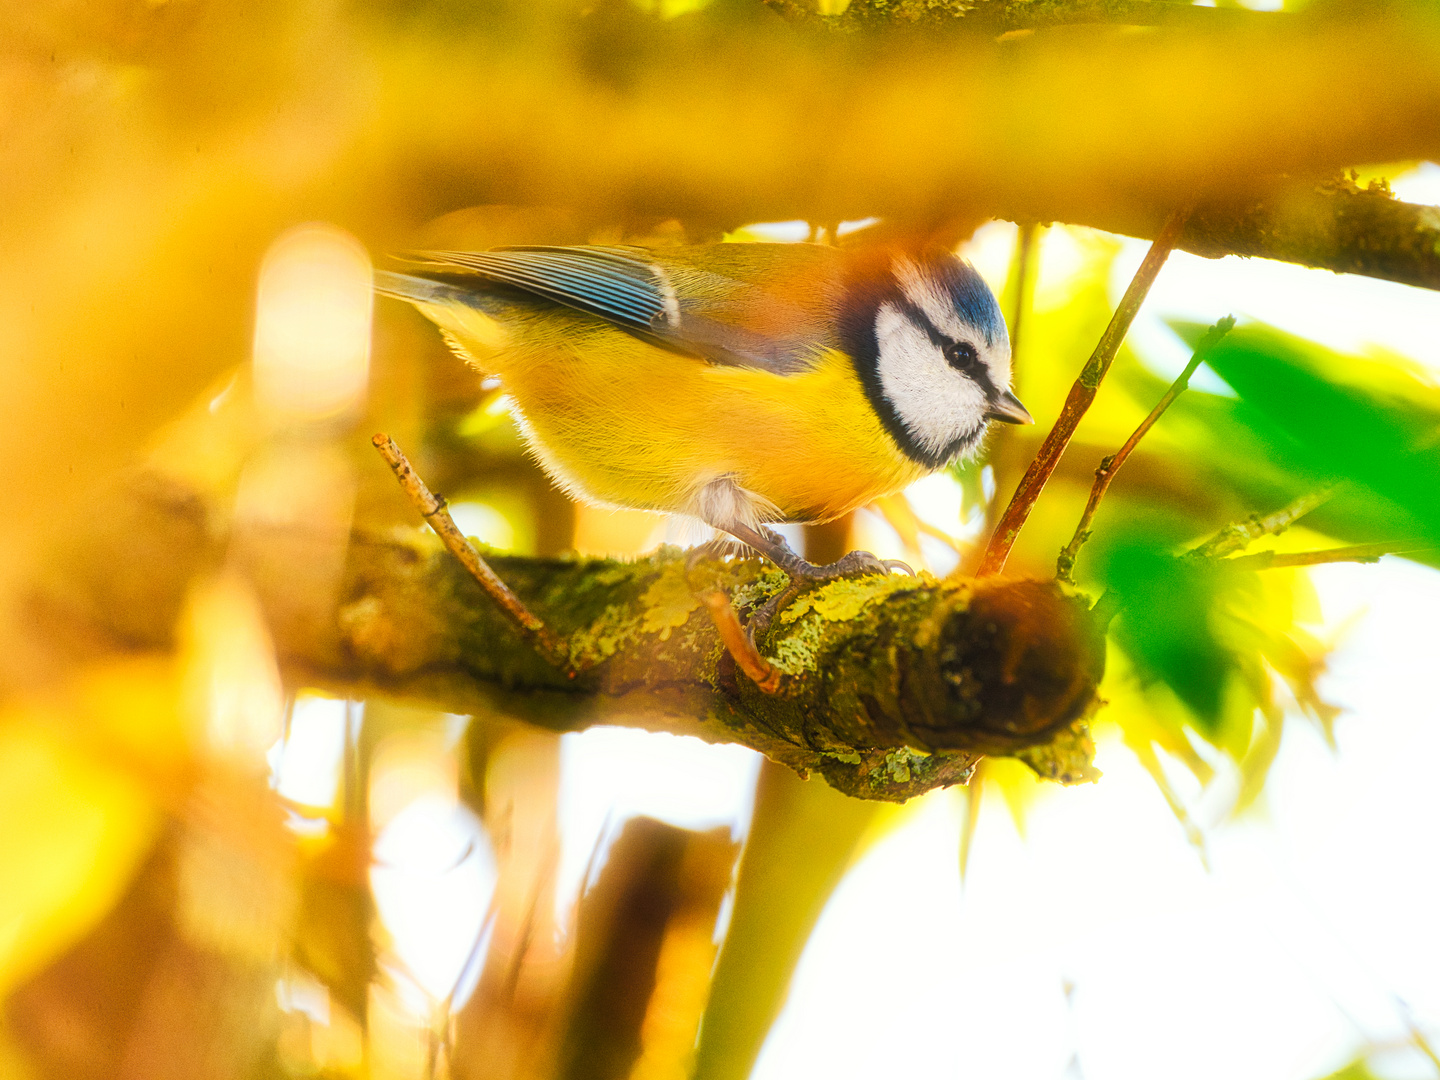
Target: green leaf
[(1166, 627), (1375, 430)]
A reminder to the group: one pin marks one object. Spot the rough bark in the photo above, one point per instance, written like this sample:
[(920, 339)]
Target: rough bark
[(894, 685), (1332, 225), (1008, 16)]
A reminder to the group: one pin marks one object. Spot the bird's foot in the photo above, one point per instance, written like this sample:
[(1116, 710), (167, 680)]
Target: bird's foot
[(804, 575), (773, 546), (855, 564)]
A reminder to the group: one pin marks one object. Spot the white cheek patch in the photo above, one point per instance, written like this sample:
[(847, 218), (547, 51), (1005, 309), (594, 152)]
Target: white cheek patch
[(936, 403), (931, 298), (997, 362)]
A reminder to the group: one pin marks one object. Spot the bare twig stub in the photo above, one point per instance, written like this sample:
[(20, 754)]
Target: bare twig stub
[(738, 643), (1065, 564), (1081, 396), (432, 509), (1241, 534), (1275, 560)]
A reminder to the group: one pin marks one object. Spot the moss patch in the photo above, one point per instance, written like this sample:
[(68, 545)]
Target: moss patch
[(668, 602), (843, 600)]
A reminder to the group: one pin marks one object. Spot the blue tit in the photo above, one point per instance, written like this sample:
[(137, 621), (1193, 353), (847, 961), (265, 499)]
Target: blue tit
[(741, 384)]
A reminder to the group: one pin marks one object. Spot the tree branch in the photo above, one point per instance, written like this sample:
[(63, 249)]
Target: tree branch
[(893, 685), (999, 16), (1368, 553), (1241, 534), (721, 125), (885, 675), (1333, 225), (1329, 224)]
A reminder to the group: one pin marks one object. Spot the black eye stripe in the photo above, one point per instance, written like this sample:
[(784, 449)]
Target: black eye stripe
[(976, 371), (866, 293)]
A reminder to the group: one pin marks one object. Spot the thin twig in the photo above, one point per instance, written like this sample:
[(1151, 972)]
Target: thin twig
[(1367, 553), (738, 643), (1081, 395), (1241, 534), (1112, 603), (1109, 466), (432, 509), (1025, 242), (999, 461)]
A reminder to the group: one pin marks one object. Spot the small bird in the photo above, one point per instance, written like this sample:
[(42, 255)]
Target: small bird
[(741, 384)]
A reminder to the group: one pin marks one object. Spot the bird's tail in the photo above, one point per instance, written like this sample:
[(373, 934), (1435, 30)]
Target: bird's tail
[(472, 321), (419, 290)]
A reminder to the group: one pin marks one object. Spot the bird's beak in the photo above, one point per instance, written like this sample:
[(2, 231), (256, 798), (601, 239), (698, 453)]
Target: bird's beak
[(1007, 409)]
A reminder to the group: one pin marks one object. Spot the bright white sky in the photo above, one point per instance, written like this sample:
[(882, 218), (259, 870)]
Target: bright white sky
[(1315, 922), (1313, 934)]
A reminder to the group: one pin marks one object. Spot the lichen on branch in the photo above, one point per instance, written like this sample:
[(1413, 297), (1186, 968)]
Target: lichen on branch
[(1335, 225), (1010, 15), (892, 685)]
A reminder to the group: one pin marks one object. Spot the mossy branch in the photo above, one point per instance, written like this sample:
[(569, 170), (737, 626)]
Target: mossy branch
[(1334, 225), (893, 685), (1008, 16)]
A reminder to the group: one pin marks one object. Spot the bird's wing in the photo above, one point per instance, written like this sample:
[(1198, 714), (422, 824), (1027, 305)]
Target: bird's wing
[(618, 284), (726, 317)]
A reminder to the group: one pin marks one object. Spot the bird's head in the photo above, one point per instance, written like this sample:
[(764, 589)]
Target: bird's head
[(930, 345)]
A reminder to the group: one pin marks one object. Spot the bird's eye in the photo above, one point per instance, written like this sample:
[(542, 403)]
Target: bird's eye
[(962, 355)]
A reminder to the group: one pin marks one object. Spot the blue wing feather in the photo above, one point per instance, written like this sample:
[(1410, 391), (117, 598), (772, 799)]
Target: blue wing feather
[(618, 284), (715, 309)]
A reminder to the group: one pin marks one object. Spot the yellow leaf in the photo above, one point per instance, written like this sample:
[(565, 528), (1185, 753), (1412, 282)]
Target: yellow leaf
[(76, 828)]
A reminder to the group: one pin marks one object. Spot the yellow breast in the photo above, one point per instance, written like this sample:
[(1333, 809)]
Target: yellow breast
[(618, 421)]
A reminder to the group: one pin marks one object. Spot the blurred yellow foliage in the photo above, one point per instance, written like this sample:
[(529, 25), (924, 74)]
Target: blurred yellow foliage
[(77, 826), (154, 151)]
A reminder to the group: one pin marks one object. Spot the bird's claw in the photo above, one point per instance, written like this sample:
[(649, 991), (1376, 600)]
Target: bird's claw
[(855, 564)]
